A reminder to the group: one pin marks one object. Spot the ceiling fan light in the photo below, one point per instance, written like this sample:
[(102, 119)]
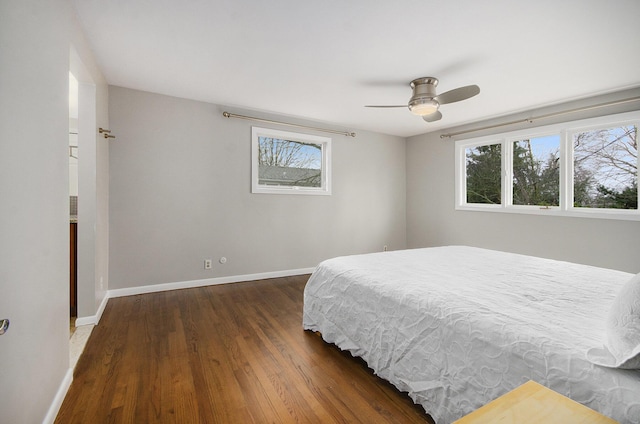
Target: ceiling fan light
[(423, 107)]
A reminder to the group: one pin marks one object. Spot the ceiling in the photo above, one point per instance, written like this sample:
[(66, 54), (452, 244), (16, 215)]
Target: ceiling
[(325, 60)]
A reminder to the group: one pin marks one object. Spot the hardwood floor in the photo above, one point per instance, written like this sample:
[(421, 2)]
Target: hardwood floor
[(233, 353)]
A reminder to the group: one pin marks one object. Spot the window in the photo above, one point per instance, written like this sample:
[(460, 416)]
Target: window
[(605, 168), (484, 180), (582, 168), (536, 171), (290, 163)]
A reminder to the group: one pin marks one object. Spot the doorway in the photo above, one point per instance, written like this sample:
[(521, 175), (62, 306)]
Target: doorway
[(73, 199), (83, 200), (83, 139)]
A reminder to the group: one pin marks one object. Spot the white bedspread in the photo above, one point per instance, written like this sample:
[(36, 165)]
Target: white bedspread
[(456, 327)]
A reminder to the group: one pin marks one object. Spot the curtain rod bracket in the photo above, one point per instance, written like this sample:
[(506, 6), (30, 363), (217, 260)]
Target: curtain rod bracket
[(251, 118)]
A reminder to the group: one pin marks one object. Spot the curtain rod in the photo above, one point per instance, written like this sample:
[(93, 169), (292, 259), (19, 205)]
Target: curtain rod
[(548, 115), (251, 118)]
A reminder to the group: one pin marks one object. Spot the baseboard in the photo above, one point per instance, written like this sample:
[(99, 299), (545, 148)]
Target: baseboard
[(52, 413), (94, 319), (130, 291)]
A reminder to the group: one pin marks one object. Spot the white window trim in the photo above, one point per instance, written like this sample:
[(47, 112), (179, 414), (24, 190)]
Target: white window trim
[(566, 131), (325, 185)]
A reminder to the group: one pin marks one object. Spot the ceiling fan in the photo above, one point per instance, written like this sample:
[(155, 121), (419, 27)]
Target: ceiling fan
[(425, 102)]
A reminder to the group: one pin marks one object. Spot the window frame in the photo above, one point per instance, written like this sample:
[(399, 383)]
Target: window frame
[(325, 171), (461, 172), (566, 131)]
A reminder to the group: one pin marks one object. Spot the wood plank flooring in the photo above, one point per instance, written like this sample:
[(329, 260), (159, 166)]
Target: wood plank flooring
[(232, 353)]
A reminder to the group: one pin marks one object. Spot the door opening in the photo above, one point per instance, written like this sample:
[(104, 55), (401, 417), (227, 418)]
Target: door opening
[(73, 198)]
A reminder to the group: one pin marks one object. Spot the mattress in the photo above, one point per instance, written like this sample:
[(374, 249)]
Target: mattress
[(457, 327)]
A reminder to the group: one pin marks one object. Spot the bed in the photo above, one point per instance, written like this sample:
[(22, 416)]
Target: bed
[(457, 326)]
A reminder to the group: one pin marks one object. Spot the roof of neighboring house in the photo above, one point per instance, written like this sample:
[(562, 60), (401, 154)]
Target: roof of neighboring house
[(279, 175)]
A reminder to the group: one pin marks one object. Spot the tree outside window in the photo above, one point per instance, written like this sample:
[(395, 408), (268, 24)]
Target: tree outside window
[(484, 174), (605, 165), (536, 171)]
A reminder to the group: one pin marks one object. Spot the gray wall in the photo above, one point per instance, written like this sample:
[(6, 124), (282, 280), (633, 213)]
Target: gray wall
[(35, 37), (180, 192), (433, 221)]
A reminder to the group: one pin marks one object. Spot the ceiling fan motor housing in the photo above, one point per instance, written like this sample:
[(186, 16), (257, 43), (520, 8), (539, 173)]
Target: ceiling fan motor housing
[(423, 101)]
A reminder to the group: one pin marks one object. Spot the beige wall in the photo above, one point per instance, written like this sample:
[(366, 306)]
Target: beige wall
[(433, 221)]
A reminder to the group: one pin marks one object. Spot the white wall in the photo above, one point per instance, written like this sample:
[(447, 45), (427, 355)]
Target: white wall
[(34, 206), (180, 193), (35, 42), (433, 221)]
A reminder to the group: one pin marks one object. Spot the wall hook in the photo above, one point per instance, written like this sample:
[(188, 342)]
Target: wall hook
[(107, 133), (4, 326)]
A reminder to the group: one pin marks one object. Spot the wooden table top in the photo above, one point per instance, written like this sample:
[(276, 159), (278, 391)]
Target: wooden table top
[(534, 403)]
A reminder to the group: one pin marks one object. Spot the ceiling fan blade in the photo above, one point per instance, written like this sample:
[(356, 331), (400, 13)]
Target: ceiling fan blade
[(458, 94), (387, 106), (435, 116)]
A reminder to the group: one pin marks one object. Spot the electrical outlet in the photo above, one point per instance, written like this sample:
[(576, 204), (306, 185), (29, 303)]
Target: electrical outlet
[(207, 264), (385, 248)]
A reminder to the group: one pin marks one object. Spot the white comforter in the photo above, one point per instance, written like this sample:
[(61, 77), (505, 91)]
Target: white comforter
[(456, 327)]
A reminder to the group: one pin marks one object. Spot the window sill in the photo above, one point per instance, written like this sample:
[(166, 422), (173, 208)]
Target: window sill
[(621, 215)]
